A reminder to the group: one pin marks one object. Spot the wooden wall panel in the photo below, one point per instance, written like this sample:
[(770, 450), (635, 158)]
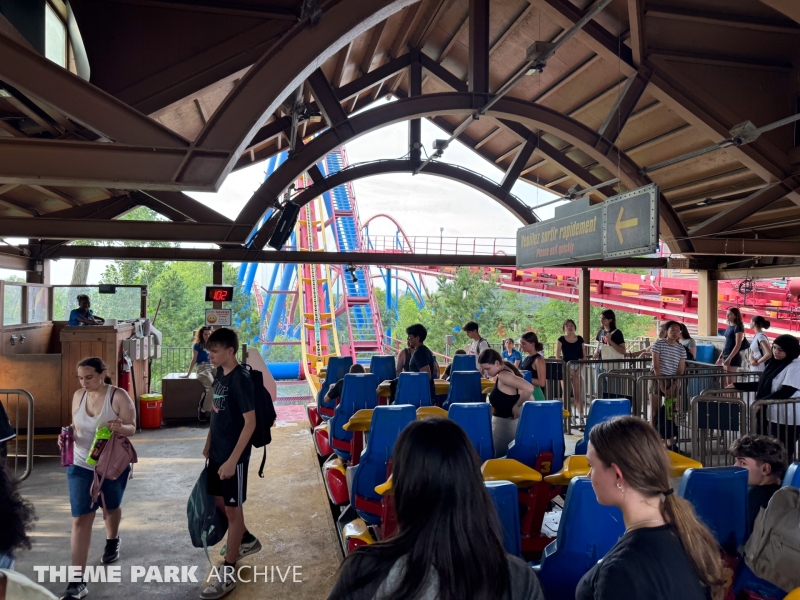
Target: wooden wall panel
[(37, 339), (39, 374)]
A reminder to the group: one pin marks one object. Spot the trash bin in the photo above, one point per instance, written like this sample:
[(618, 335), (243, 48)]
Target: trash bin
[(150, 407)]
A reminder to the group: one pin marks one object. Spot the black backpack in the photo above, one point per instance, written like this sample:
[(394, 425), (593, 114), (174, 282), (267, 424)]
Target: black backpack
[(265, 415)]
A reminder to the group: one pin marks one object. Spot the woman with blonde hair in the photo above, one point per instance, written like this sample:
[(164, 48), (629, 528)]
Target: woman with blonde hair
[(665, 552), (205, 371)]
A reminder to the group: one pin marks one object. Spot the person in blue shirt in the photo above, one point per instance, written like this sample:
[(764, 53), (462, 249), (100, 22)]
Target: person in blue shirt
[(511, 354), (83, 315), (205, 371)]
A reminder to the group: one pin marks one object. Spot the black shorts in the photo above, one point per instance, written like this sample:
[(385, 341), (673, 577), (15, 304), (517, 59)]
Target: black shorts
[(736, 361), (233, 491)]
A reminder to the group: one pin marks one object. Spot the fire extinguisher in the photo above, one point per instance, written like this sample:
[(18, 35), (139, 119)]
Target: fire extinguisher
[(125, 364)]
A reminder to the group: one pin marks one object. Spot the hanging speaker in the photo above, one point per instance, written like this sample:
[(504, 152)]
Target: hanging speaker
[(285, 225)]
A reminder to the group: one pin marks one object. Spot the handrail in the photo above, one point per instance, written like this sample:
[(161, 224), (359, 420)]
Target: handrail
[(29, 434)]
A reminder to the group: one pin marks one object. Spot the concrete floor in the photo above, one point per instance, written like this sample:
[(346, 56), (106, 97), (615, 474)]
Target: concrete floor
[(287, 510)]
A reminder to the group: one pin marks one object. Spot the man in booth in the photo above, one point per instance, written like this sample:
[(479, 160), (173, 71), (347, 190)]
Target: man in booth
[(83, 315)]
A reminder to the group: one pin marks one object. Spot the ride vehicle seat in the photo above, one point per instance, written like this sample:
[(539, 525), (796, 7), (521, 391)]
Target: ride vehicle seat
[(475, 418), (413, 389), (602, 410), (386, 425), (465, 386)]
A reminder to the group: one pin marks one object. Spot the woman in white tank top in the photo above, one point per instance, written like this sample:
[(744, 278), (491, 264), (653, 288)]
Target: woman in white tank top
[(97, 404)]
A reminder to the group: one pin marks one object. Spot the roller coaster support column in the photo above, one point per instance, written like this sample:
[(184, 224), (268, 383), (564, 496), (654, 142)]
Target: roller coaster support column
[(280, 302), (216, 278), (389, 308), (707, 304), (584, 305)]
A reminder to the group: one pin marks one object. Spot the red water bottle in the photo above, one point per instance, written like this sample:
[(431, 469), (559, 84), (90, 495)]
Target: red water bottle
[(67, 446)]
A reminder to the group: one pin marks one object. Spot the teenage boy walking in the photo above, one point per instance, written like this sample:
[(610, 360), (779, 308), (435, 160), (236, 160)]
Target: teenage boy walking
[(233, 420)]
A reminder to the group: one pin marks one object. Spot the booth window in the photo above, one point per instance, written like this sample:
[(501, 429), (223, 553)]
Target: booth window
[(55, 37), (12, 305), (38, 301)]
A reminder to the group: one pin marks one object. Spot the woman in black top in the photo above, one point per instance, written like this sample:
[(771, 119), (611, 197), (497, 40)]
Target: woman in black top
[(510, 391), (534, 363), (731, 359), (449, 540), (569, 348), (665, 553)]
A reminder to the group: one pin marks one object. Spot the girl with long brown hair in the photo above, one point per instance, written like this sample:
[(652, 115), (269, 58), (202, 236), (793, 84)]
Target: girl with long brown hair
[(509, 393), (665, 552), (205, 371)]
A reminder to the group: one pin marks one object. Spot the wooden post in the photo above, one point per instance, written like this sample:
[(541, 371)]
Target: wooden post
[(584, 307), (707, 304), (42, 276), (217, 278)]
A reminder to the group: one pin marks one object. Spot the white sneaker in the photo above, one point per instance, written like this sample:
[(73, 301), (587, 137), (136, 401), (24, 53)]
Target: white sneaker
[(219, 588), (245, 549)]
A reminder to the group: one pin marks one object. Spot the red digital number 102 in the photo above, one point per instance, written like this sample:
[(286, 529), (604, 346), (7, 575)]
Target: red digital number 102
[(220, 295)]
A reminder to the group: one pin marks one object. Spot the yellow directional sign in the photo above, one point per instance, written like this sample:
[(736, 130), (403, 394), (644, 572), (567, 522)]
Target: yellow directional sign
[(626, 224), (631, 223)]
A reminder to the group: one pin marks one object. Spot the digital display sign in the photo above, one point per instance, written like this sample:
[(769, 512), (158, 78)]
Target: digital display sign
[(219, 293)]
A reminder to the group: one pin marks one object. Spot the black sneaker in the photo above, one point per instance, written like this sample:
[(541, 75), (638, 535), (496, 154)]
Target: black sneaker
[(75, 591), (111, 553)]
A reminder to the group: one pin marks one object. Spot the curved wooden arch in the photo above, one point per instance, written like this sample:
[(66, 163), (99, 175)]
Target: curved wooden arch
[(534, 116)]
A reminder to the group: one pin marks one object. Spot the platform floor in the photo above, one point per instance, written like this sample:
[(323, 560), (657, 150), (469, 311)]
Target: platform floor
[(288, 510)]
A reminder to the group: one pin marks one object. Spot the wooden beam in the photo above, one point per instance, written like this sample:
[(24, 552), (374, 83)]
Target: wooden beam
[(56, 194), (341, 63), (372, 47), (400, 43), (623, 107), (717, 60), (479, 46), (20, 206), (453, 40), (518, 164), (746, 207), (487, 137), (748, 22), (328, 102), (427, 22), (636, 26)]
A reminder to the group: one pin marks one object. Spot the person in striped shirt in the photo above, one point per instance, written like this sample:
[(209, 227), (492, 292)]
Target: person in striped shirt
[(669, 359)]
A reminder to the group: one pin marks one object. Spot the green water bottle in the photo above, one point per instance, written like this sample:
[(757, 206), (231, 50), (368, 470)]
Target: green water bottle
[(101, 437), (668, 403)]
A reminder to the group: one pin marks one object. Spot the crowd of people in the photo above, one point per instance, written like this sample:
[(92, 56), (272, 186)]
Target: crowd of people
[(449, 541)]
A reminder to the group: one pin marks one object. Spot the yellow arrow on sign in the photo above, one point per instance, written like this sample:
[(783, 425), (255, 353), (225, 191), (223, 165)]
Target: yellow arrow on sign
[(626, 224)]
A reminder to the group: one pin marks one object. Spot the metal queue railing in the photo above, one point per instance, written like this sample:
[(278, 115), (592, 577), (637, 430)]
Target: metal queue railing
[(13, 402), (718, 417), (779, 419)]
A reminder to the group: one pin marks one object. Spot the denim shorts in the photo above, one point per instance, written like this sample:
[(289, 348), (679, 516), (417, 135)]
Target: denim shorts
[(80, 486)]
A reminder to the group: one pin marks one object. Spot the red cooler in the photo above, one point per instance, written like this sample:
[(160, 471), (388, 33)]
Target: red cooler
[(150, 406)]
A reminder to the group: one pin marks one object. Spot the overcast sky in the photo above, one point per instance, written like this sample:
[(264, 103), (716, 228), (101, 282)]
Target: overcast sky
[(422, 204)]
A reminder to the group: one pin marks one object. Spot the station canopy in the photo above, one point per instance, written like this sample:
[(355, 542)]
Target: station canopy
[(155, 97)]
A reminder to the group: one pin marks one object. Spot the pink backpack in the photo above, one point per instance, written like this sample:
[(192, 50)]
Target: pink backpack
[(116, 456)]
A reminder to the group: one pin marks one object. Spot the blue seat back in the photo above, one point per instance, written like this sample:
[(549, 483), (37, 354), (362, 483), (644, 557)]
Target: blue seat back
[(599, 411), (505, 496), (540, 429), (465, 386), (527, 376), (358, 391), (413, 389), (387, 423), (383, 367), (792, 477), (464, 362), (338, 367), (586, 533), (475, 418), (719, 497)]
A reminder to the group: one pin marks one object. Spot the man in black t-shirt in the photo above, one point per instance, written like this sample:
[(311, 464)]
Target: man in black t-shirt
[(765, 459), (233, 421), (335, 391), (422, 361)]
